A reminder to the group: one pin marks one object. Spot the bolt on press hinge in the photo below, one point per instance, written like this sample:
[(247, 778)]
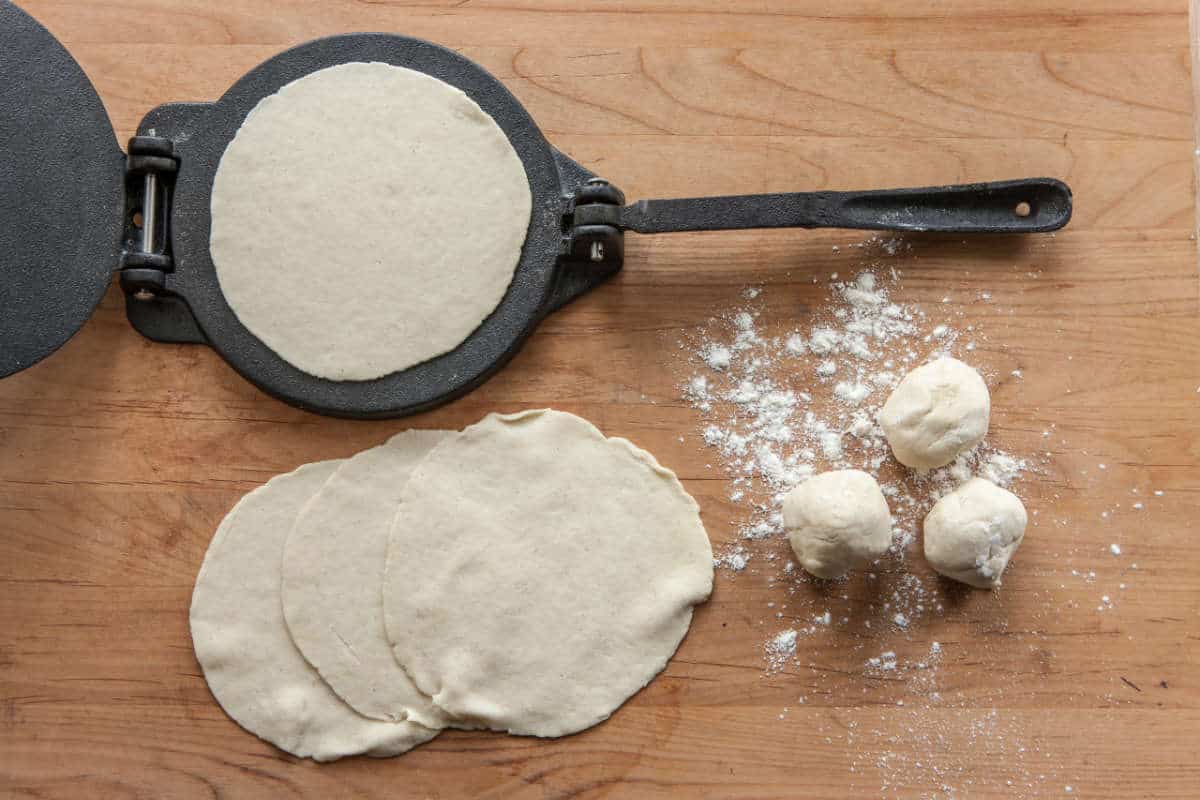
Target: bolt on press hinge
[(150, 171), (594, 232)]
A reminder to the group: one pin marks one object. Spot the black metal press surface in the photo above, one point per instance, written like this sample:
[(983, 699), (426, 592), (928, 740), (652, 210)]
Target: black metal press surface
[(61, 193)]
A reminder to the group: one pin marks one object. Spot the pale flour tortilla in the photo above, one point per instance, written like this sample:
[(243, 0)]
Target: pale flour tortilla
[(538, 574), (332, 577), (241, 641), (366, 218)]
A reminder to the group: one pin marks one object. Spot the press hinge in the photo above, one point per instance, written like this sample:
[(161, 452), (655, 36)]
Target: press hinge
[(146, 261), (592, 231)]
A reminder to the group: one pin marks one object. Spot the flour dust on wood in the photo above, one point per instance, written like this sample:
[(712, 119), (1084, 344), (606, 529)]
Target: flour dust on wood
[(783, 395)]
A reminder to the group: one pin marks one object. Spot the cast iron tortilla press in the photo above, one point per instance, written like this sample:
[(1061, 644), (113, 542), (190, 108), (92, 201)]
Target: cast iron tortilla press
[(76, 208)]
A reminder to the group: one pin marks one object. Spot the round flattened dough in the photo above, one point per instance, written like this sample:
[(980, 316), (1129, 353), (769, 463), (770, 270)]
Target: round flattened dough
[(540, 574), (332, 577), (939, 410), (972, 532), (338, 213), (837, 521), (241, 641)]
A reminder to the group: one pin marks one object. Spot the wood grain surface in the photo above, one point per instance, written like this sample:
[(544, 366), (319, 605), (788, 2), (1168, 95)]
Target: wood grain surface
[(118, 457)]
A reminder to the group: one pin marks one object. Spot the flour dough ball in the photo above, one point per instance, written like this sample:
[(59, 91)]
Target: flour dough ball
[(971, 533), (837, 521), (241, 640), (540, 574), (338, 214), (938, 411), (332, 573)]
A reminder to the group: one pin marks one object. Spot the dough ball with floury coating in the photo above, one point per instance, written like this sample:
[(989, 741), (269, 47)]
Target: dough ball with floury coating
[(971, 533), (938, 411), (837, 521)]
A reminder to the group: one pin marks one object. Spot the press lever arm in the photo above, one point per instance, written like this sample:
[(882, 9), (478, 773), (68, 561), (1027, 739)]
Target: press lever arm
[(1032, 205)]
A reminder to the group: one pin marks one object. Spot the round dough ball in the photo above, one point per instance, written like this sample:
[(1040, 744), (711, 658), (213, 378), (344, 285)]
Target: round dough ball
[(539, 574), (939, 410), (366, 218), (972, 533), (242, 643), (837, 521)]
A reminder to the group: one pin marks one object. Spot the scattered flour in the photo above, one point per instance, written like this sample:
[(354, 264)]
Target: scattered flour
[(1002, 469), (735, 558), (777, 406), (718, 357), (851, 393), (780, 649), (775, 417), (884, 662)]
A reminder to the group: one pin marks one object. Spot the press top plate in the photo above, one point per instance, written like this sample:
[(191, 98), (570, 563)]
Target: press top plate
[(61, 193)]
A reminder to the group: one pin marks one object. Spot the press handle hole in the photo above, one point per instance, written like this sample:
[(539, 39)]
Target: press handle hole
[(1023, 209)]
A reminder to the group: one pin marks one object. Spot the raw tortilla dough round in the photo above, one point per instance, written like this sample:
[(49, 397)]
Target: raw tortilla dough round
[(332, 573), (971, 533), (539, 574), (338, 215), (241, 641)]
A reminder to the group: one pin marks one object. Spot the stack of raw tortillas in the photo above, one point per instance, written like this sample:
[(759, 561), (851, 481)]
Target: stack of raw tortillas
[(525, 575)]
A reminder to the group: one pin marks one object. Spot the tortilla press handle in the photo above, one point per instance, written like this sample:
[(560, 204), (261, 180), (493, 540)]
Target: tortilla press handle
[(1032, 205)]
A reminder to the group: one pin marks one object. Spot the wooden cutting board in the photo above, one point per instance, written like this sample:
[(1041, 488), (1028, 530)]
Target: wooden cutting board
[(118, 457)]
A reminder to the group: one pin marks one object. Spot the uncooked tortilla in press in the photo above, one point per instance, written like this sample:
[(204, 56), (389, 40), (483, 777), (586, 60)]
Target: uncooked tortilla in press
[(332, 577), (241, 641), (338, 213), (539, 574)]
